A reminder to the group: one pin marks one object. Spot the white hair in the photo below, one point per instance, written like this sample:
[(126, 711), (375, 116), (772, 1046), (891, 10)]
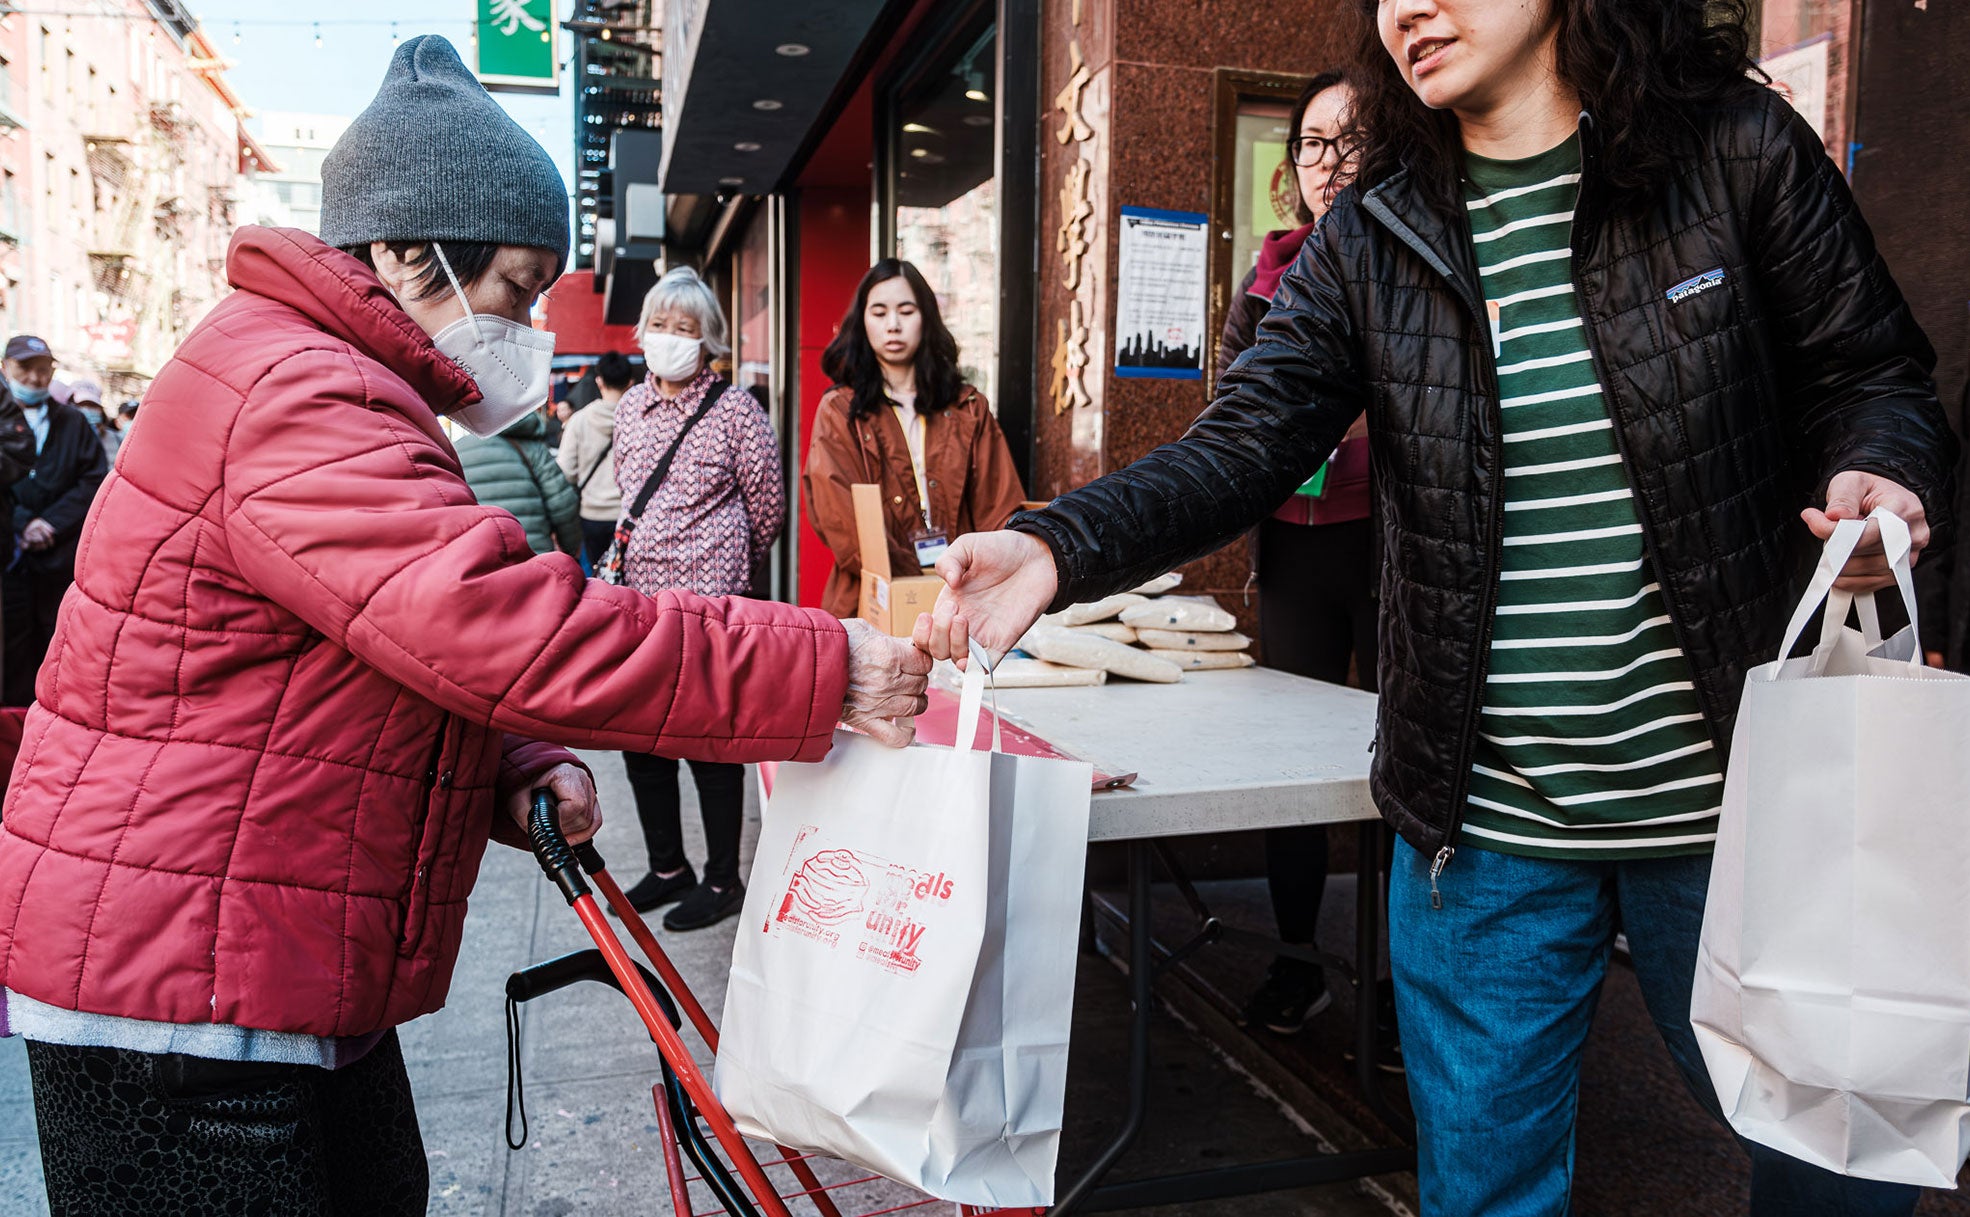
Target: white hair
[(681, 289)]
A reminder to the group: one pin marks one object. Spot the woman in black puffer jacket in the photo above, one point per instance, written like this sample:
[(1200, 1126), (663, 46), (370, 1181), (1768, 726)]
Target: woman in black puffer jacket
[(1701, 285)]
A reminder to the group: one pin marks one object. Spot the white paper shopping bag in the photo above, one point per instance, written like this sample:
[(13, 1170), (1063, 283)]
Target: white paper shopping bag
[(902, 985), (1832, 989)]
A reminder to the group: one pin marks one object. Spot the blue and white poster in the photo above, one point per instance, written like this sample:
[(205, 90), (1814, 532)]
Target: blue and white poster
[(1162, 294)]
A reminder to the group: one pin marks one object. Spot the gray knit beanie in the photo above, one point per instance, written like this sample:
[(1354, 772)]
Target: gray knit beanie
[(434, 158)]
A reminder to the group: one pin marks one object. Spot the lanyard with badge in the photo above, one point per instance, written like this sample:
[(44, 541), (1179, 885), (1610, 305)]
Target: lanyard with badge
[(930, 541)]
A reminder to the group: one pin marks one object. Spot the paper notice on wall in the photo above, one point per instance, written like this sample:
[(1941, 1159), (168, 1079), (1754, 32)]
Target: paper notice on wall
[(1161, 294), (1799, 75)]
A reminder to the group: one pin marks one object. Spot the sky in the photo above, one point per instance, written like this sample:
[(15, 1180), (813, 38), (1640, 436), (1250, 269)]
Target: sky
[(279, 67)]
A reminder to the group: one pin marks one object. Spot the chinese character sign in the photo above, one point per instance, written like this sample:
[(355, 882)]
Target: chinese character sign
[(517, 48)]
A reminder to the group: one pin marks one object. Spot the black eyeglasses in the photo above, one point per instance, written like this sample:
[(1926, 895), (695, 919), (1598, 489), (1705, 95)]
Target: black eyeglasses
[(1309, 150)]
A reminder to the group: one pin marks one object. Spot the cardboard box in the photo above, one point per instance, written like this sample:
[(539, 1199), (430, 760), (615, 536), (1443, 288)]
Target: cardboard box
[(889, 603)]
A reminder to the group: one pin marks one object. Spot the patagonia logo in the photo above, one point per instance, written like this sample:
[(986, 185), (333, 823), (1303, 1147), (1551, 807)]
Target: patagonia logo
[(1692, 287)]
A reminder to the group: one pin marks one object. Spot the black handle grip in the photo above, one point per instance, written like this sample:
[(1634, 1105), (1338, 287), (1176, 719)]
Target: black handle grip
[(573, 968), (552, 850), (590, 858)]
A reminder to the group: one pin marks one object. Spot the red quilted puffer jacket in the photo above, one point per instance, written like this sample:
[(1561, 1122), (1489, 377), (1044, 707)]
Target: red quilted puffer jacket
[(298, 664)]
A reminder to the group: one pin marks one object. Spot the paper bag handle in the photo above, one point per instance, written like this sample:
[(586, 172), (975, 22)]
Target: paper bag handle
[(971, 699), (1839, 549)]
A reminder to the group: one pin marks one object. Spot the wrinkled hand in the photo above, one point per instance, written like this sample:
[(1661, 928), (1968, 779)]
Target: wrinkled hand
[(996, 585), (1851, 496), (575, 804), (887, 682), (39, 534)]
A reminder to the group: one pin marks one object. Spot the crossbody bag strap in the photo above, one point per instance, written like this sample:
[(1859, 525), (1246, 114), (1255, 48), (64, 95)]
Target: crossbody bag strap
[(658, 474), (599, 462)]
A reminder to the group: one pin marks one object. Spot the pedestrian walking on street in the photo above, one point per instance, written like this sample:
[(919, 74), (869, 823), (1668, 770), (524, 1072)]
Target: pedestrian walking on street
[(516, 470), (87, 396), (49, 505), (901, 416), (307, 676), (701, 473), (587, 456), (1316, 573), (1627, 352)]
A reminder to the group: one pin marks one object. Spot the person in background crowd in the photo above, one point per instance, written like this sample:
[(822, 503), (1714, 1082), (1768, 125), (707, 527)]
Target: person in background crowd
[(87, 396), (705, 527), (16, 463), (305, 680), (1315, 559), (126, 414), (587, 456), (550, 422), (1628, 351), (515, 470), (49, 505), (901, 417)]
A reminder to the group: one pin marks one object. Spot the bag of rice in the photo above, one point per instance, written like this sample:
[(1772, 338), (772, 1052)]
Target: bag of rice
[(1180, 613), (1099, 610), (1057, 645), (1113, 631), (1160, 584), (1206, 661), (1039, 674), (1176, 640)]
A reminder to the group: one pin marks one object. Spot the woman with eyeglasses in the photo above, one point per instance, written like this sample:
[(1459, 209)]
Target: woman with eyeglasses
[(1628, 352), (1315, 559)]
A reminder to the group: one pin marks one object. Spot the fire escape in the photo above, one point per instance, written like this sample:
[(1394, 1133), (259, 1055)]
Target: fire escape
[(617, 88)]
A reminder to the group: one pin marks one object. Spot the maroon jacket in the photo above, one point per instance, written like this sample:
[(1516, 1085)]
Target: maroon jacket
[(299, 665)]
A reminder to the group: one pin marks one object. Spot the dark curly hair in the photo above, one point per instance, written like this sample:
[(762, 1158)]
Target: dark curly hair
[(1638, 66), (850, 359)]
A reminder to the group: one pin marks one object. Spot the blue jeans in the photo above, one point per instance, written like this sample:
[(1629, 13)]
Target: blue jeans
[(1495, 992)]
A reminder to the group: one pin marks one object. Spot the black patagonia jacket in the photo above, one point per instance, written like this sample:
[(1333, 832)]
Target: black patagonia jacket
[(1733, 407)]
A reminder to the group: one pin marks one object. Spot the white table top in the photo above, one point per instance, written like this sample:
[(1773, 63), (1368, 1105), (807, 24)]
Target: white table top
[(1221, 751)]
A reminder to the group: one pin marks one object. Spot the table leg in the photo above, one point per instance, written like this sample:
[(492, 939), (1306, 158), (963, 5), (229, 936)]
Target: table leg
[(1141, 999)]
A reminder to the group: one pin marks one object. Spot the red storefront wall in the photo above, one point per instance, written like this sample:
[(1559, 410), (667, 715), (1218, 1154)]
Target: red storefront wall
[(832, 208)]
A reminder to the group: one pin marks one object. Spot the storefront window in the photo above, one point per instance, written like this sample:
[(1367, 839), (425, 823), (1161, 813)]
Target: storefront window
[(1805, 46), (752, 361), (945, 143)]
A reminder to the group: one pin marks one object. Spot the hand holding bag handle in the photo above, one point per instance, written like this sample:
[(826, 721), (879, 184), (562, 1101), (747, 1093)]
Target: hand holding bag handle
[(971, 698), (1833, 559)]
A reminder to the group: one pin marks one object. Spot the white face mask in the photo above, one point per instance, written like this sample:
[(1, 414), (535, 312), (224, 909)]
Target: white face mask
[(672, 357), (511, 363)]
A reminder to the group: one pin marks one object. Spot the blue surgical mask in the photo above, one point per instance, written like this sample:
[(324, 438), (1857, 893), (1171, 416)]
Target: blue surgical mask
[(25, 395)]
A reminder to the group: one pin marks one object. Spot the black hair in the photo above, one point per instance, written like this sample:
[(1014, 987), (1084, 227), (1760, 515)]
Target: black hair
[(469, 260), (850, 359), (1314, 88), (613, 370), (1639, 67)]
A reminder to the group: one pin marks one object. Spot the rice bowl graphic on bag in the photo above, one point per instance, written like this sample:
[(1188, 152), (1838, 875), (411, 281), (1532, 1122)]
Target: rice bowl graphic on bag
[(831, 896)]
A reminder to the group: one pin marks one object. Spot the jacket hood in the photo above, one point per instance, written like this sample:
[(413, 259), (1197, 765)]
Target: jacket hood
[(1276, 255), (345, 298)]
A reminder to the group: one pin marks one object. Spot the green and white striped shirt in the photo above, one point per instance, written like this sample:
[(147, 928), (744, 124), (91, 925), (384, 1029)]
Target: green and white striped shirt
[(1591, 741)]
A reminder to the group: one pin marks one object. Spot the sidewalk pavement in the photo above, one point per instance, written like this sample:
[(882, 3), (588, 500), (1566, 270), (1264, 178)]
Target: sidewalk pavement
[(588, 1067)]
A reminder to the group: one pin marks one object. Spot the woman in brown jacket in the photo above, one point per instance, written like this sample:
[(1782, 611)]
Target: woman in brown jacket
[(900, 416)]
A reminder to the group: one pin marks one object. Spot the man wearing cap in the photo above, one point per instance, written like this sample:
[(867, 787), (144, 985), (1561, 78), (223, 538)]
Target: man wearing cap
[(304, 676), (49, 505)]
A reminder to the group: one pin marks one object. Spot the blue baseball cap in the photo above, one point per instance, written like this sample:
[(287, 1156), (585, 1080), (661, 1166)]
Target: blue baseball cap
[(23, 347)]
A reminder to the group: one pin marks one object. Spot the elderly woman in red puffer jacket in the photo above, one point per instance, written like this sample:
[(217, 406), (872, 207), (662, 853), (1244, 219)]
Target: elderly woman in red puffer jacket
[(301, 678)]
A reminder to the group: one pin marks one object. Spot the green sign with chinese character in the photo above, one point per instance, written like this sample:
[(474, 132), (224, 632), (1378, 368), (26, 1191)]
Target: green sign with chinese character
[(518, 50)]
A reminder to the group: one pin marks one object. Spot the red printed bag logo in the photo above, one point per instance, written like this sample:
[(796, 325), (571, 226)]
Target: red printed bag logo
[(841, 895)]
